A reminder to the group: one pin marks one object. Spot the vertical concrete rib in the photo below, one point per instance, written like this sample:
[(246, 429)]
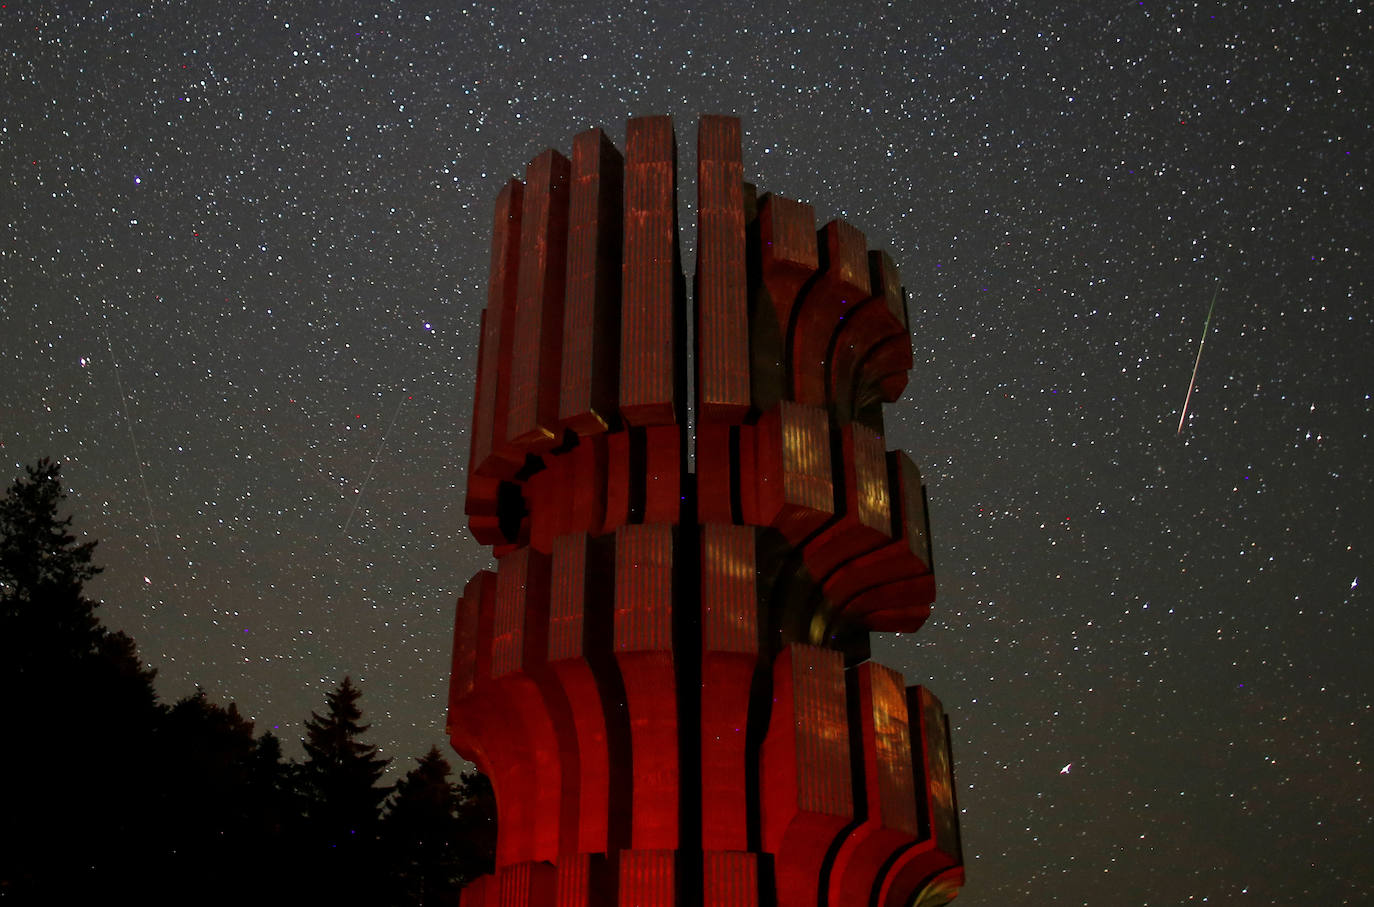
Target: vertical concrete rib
[(644, 653), (842, 284), (730, 647), (647, 877), (649, 353), (730, 879), (493, 370), (936, 778), (537, 347), (579, 615), (889, 361), (935, 861), (866, 361), (794, 487), (591, 312), (787, 260), (889, 825), (722, 292), (807, 798)]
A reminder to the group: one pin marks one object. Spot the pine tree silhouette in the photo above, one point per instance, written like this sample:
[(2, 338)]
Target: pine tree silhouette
[(338, 782), (113, 794), (477, 826), (43, 570), (420, 832), (81, 775)]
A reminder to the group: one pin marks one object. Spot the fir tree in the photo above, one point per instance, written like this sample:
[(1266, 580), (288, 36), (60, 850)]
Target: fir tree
[(49, 633), (43, 570), (421, 833), (80, 692), (222, 800), (272, 789), (338, 781), (477, 825), (276, 823), (130, 798)]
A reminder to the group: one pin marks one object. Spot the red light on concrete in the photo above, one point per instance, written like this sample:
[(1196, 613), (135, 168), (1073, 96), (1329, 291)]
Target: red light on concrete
[(666, 677)]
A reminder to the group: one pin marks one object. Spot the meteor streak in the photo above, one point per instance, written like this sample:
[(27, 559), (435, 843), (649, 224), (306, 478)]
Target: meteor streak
[(386, 434), (133, 441), (1183, 415)]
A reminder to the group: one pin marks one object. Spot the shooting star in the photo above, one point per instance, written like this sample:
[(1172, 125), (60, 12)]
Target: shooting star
[(133, 441), (363, 487), (1183, 415)]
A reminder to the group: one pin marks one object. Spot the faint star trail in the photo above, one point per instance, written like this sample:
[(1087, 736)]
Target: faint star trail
[(363, 487), (138, 457), (1183, 415)]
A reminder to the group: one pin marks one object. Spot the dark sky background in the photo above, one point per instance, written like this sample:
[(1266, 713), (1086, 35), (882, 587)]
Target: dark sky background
[(243, 261)]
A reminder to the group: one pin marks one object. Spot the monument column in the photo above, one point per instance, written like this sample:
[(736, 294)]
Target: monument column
[(666, 675)]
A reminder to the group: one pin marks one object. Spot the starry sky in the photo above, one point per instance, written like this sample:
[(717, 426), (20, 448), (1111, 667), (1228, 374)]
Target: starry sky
[(242, 265)]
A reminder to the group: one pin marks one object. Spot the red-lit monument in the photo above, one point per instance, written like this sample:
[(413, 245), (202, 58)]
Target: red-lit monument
[(667, 677)]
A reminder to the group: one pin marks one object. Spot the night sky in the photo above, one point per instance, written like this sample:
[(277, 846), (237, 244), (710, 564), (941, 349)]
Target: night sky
[(243, 259)]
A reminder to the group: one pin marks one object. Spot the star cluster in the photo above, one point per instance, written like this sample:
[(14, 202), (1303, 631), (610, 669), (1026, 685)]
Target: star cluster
[(243, 261)]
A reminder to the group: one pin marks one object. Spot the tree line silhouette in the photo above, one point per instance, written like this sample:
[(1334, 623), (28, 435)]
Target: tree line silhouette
[(112, 792)]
